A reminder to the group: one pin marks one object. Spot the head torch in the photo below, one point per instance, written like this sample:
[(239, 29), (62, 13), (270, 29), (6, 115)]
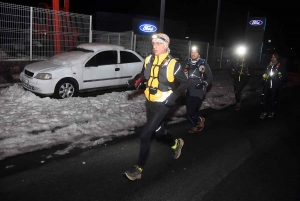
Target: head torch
[(158, 37)]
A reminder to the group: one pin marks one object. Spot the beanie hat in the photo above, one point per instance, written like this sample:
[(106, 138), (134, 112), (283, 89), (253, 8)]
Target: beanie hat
[(161, 38)]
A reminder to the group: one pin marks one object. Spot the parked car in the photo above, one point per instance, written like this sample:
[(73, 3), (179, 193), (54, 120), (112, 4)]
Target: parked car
[(87, 67)]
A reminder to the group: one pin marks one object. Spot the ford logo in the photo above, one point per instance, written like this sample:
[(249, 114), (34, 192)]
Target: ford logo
[(148, 28), (256, 22)]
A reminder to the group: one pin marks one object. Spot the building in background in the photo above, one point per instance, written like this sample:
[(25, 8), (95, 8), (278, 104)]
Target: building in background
[(142, 25), (254, 38)]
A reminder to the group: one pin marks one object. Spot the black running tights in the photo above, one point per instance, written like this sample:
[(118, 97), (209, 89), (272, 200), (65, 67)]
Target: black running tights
[(193, 104), (238, 88), (156, 113), (272, 93)]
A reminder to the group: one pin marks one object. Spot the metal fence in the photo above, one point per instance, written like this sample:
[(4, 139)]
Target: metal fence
[(30, 33), (220, 57), (124, 39), (179, 49)]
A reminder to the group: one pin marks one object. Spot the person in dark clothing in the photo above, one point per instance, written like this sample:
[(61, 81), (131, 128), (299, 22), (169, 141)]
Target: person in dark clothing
[(271, 79), (159, 72), (199, 76), (240, 72)]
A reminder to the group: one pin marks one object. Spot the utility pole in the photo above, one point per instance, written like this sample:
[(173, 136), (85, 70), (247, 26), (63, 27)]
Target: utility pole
[(162, 16), (217, 23), (216, 33)]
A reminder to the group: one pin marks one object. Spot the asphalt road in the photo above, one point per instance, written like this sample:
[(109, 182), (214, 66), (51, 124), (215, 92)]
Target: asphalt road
[(236, 157)]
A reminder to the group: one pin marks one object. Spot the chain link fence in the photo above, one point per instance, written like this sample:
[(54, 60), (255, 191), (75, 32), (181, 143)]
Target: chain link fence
[(30, 33), (179, 49), (142, 45), (124, 39), (220, 57)]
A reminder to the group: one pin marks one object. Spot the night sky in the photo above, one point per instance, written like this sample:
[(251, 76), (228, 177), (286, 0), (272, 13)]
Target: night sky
[(200, 16)]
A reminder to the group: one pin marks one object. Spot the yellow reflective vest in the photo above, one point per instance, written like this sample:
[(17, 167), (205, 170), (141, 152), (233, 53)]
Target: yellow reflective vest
[(159, 73)]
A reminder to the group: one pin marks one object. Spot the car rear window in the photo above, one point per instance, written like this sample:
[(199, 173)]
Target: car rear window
[(109, 57), (128, 57)]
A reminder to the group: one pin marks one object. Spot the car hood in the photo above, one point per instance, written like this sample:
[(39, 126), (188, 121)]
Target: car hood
[(66, 59), (41, 66), (70, 58)]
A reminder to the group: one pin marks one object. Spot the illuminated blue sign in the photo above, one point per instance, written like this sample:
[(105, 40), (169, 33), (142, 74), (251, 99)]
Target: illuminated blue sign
[(148, 28), (256, 22)]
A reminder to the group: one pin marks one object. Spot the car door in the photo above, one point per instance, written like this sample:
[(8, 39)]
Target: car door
[(130, 65), (100, 70)]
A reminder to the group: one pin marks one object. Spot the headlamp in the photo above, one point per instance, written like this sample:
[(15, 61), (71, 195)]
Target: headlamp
[(194, 48), (241, 50), (157, 37)]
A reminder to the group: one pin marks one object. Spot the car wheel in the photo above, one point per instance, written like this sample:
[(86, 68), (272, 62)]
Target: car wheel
[(65, 89)]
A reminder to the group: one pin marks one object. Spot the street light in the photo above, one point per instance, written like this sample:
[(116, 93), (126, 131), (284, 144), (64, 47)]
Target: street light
[(162, 15)]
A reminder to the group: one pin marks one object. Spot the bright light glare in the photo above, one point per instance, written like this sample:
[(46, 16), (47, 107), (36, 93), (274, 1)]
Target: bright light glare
[(194, 48), (241, 50)]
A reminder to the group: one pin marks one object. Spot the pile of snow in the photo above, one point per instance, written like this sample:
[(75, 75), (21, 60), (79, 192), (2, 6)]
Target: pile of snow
[(29, 123)]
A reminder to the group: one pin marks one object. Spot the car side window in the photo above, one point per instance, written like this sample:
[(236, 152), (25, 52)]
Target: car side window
[(128, 57), (91, 62), (103, 58), (107, 57)]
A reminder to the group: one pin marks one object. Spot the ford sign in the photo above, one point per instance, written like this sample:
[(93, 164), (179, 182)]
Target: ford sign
[(148, 28), (256, 22)]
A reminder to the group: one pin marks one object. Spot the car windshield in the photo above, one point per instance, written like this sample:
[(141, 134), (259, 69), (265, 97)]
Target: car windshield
[(81, 49)]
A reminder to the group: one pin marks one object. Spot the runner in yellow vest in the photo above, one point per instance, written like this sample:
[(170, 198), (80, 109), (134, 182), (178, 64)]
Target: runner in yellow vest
[(159, 72)]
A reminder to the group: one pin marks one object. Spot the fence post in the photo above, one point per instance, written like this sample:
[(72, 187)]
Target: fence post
[(57, 27), (90, 31), (134, 42), (119, 38), (189, 52), (207, 48), (131, 41), (221, 58), (30, 34)]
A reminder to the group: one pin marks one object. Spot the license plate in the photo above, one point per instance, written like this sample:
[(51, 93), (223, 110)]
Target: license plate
[(25, 80), (25, 83)]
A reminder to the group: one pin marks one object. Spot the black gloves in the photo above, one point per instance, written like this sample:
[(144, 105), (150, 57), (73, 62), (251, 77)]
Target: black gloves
[(201, 85), (138, 83), (130, 83), (170, 101)]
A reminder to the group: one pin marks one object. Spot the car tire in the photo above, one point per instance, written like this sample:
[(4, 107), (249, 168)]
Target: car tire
[(65, 89)]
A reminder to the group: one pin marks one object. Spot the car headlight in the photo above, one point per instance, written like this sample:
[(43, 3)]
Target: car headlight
[(43, 76)]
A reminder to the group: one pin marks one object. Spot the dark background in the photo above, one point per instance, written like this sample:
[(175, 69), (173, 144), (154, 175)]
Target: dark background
[(200, 16)]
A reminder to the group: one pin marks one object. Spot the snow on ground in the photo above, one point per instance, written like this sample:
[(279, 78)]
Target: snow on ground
[(29, 123)]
